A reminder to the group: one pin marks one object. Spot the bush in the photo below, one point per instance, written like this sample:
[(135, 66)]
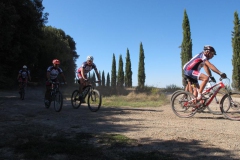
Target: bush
[(172, 87)]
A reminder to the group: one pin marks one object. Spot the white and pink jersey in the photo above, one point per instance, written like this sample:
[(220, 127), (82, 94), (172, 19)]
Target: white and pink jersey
[(192, 67), (196, 63), (87, 68)]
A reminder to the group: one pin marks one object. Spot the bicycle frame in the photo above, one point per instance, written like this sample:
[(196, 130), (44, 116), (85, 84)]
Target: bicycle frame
[(220, 86)]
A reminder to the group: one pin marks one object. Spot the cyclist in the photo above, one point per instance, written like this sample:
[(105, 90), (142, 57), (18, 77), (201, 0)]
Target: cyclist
[(82, 71), (23, 76), (52, 74), (192, 69)]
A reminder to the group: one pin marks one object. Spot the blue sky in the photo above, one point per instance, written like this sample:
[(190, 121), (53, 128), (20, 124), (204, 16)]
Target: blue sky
[(102, 28)]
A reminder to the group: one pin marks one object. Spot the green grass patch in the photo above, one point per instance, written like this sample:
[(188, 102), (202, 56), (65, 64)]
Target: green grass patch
[(136, 100)]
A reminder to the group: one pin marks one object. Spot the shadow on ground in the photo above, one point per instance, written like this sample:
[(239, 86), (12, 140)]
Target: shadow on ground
[(27, 128)]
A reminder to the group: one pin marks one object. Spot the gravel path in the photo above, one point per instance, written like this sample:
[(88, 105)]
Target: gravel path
[(204, 136)]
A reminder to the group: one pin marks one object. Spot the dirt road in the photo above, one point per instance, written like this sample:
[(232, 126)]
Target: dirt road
[(205, 136)]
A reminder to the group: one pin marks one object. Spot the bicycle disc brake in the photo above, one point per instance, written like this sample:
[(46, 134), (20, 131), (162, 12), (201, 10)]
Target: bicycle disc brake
[(235, 105)]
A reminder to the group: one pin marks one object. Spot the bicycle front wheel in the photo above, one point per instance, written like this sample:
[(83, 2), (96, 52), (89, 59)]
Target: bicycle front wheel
[(22, 93), (75, 99), (94, 100), (214, 107), (183, 105), (230, 106), (58, 101)]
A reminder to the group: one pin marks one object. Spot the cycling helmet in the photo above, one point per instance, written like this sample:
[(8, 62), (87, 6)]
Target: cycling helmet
[(210, 48), (25, 67), (89, 58), (56, 61)]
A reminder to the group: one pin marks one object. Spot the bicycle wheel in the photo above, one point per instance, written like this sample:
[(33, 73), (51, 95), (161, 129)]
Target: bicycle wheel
[(58, 101), (94, 100), (230, 106), (174, 93), (214, 109), (183, 105), (47, 106), (22, 93), (75, 99)]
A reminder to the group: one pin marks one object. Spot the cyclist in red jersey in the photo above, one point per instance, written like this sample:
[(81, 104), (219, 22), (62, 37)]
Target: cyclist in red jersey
[(23, 76), (192, 69), (82, 71)]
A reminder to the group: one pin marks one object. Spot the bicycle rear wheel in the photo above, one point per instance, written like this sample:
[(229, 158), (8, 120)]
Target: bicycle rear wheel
[(94, 100), (75, 99), (58, 101), (230, 106), (182, 104), (174, 93)]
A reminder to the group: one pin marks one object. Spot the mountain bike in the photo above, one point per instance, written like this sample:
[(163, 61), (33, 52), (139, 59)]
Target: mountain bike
[(184, 103), (212, 109), (22, 90), (94, 98), (56, 97)]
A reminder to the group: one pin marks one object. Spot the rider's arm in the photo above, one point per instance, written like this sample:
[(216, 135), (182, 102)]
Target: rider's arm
[(207, 70), (83, 73), (98, 75), (212, 67), (48, 76), (29, 76)]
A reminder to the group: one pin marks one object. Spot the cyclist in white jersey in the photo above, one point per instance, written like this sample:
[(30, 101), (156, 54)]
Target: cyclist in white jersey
[(52, 74), (23, 76), (82, 72), (192, 69)]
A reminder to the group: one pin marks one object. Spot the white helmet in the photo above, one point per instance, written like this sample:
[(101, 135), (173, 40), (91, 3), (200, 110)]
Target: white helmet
[(89, 58), (24, 67)]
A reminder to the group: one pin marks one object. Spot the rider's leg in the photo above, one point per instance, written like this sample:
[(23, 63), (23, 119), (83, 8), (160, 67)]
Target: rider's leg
[(190, 88), (48, 92), (204, 78), (81, 85)]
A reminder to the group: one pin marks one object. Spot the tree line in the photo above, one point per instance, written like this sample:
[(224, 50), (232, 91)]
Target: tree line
[(26, 40)]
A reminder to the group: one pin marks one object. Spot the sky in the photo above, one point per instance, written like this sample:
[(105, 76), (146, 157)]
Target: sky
[(102, 28)]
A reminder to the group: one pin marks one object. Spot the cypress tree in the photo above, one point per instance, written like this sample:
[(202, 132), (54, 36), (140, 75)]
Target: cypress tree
[(141, 68), (99, 84), (113, 75), (236, 53), (128, 71), (186, 47), (108, 80), (120, 76), (103, 79)]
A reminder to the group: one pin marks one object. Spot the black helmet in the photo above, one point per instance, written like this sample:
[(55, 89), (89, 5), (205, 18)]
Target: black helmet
[(210, 48)]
